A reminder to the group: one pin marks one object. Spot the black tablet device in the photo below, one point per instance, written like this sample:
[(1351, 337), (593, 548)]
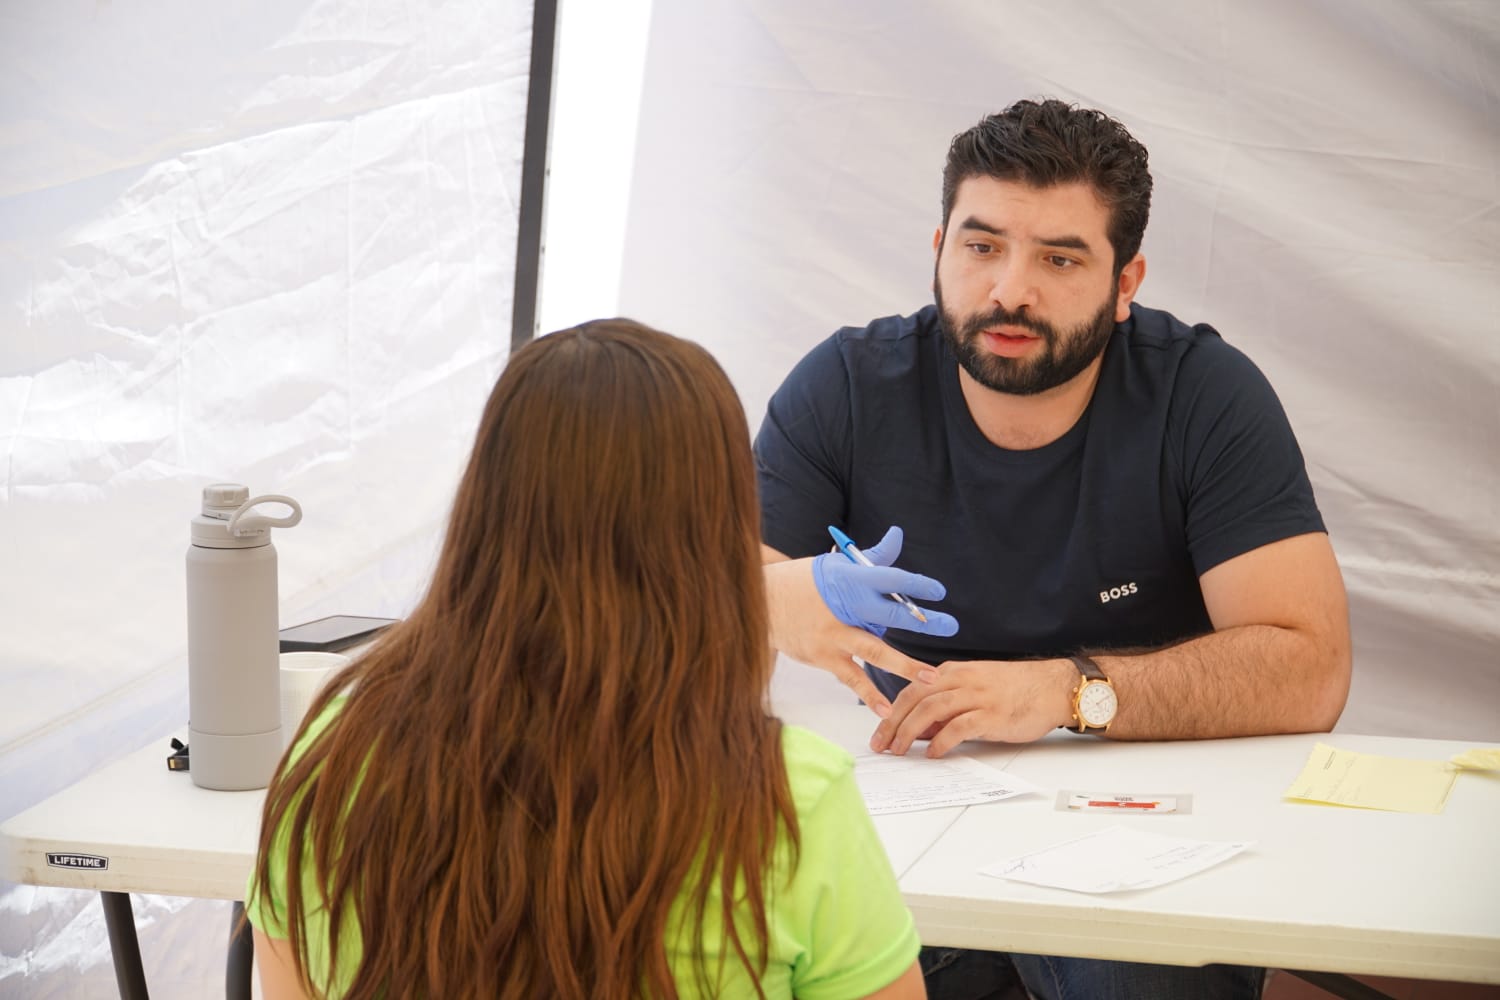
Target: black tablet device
[(332, 633)]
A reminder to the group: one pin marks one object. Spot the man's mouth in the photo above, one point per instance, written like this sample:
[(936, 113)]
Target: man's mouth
[(1009, 341)]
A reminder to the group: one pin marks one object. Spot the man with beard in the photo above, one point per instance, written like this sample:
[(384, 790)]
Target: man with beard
[(1114, 500)]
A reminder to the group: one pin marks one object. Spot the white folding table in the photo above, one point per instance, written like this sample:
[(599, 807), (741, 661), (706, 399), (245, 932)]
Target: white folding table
[(135, 826), (1326, 889)]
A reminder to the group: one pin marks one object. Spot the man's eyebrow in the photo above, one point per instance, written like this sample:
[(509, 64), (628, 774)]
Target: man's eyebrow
[(983, 227), (1067, 242)]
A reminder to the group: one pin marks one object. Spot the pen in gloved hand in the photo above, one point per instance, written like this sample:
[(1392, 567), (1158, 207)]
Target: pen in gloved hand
[(846, 545)]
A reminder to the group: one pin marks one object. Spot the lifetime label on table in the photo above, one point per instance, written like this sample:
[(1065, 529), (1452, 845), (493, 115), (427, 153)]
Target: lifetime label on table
[(88, 862)]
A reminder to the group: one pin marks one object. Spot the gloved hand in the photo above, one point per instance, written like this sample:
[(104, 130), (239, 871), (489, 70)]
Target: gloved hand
[(857, 594)]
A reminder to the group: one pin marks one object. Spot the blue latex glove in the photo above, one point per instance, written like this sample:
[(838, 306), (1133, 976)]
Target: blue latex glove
[(857, 594)]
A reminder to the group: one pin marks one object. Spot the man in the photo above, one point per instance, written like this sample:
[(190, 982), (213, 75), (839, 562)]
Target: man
[(1114, 499)]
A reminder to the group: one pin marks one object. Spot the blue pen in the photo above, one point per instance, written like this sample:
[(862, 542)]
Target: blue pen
[(846, 545)]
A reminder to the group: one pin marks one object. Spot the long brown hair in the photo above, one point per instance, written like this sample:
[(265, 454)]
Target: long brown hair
[(571, 727)]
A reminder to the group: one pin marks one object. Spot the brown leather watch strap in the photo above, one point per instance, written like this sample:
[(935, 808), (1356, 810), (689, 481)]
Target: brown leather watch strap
[(1088, 668)]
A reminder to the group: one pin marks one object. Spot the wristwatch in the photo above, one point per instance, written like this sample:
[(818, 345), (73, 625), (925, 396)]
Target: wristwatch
[(1094, 700)]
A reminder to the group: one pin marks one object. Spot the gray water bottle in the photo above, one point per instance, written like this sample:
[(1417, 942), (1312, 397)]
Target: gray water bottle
[(234, 678)]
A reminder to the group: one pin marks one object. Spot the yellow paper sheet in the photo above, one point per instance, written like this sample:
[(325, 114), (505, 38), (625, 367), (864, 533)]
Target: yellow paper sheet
[(1368, 781), (1479, 759)]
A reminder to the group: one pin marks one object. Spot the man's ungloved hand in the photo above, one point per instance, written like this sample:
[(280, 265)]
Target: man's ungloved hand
[(857, 595)]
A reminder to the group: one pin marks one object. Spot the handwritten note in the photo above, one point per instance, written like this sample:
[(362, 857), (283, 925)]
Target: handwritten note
[(1115, 859), (892, 784), (1368, 781)]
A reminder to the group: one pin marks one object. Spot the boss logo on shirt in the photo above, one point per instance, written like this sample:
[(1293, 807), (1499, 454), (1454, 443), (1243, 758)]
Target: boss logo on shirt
[(89, 861), (1115, 593)]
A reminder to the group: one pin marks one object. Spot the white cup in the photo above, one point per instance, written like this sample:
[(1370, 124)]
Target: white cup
[(303, 675)]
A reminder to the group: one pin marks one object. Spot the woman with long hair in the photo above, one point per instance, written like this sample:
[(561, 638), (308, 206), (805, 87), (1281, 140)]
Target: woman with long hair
[(558, 777)]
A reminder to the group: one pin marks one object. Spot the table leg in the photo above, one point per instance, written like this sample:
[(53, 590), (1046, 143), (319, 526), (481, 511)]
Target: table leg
[(120, 920), (1340, 985), (241, 955)]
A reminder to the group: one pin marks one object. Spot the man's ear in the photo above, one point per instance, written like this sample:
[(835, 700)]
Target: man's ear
[(937, 253), (1131, 276)]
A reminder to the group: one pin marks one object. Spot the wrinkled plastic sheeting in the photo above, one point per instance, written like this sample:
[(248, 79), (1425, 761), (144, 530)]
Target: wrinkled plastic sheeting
[(54, 945), (271, 244)]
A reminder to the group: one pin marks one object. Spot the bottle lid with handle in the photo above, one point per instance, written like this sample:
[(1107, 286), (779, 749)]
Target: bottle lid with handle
[(227, 521)]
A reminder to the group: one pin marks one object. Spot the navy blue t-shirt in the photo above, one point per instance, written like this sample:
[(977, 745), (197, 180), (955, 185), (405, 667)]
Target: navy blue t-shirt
[(1183, 459)]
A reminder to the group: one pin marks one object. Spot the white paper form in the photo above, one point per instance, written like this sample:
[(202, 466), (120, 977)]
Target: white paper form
[(892, 784), (1115, 859)]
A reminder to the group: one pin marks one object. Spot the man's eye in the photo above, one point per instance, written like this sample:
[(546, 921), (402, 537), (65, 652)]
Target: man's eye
[(981, 249), (1061, 263)]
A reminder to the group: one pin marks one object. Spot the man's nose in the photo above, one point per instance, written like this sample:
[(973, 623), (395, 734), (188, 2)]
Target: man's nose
[(1014, 285)]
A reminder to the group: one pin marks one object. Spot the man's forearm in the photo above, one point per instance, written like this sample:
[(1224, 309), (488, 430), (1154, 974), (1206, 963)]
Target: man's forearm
[(1276, 662), (1241, 681)]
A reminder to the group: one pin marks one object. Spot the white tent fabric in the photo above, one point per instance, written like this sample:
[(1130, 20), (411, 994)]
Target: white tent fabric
[(273, 245), (1326, 197)]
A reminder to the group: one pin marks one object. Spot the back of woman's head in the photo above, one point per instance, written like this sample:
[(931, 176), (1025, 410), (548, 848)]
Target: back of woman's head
[(569, 730), (611, 490)]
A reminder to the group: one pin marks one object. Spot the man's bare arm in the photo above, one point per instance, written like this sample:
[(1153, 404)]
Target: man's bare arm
[(1278, 661), (803, 628)]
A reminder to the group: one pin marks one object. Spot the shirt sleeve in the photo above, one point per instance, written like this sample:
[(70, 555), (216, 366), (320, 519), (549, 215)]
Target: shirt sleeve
[(857, 933), (1245, 479), (802, 454), (267, 912)]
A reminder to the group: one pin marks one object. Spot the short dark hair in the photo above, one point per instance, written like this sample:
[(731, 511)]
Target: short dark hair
[(1048, 142)]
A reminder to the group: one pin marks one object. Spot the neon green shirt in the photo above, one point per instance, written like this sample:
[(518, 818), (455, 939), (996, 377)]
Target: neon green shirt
[(839, 929)]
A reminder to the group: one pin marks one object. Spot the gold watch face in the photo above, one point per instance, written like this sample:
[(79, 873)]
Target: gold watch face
[(1097, 704)]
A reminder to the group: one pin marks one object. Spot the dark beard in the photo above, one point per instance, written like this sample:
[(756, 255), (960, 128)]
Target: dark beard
[(1062, 358)]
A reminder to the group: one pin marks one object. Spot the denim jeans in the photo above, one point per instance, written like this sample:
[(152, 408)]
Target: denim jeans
[(962, 974)]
